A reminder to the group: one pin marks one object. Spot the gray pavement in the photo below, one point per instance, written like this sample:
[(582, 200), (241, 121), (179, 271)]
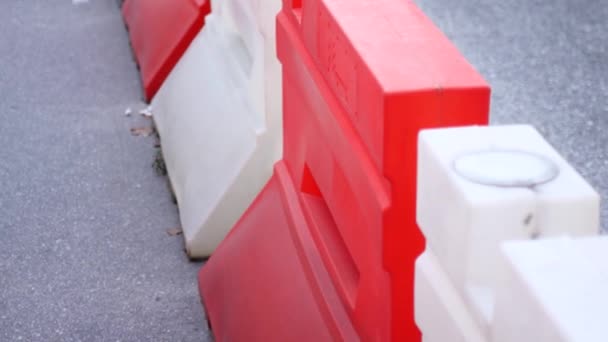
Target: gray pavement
[(84, 253), (547, 63)]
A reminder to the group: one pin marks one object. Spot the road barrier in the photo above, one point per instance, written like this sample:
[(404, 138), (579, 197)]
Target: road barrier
[(160, 32), (219, 118), (479, 187), (327, 249)]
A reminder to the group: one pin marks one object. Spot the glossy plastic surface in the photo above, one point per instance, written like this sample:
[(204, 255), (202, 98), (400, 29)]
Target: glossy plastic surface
[(360, 79), (219, 118), (160, 32), (465, 223), (553, 290)]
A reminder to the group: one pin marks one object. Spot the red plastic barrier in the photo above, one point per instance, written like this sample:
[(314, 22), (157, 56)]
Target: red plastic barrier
[(160, 32), (327, 250)]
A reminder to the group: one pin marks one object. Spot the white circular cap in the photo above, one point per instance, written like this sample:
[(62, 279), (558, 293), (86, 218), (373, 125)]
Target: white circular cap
[(506, 168)]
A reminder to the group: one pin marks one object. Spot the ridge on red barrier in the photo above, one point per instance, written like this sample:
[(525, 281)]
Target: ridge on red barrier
[(160, 33), (327, 250)]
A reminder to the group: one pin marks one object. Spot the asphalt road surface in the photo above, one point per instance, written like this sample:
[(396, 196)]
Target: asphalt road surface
[(84, 252)]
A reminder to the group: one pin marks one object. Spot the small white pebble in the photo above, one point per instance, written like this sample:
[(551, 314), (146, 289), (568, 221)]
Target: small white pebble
[(128, 111), (147, 112)]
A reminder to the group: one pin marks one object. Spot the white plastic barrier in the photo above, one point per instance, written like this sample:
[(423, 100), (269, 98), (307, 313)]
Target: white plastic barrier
[(479, 187), (219, 118), (553, 290), (440, 311)]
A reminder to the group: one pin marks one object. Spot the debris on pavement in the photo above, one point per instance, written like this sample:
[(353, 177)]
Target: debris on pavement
[(142, 131), (174, 231), (128, 111), (158, 164), (147, 112)]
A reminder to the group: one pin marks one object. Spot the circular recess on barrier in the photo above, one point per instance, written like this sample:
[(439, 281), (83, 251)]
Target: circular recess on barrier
[(506, 168)]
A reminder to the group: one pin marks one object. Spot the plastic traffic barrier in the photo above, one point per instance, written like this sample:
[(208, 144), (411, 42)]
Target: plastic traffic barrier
[(477, 188), (219, 118), (160, 32), (553, 290), (327, 250), (441, 312)]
